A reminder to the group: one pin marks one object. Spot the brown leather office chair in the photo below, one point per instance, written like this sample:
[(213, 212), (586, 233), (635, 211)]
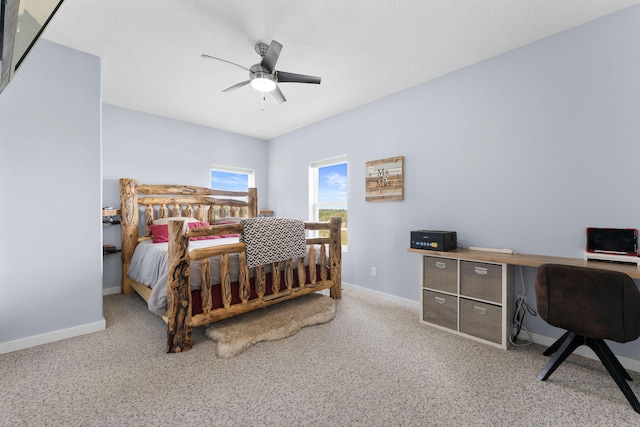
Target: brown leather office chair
[(592, 305)]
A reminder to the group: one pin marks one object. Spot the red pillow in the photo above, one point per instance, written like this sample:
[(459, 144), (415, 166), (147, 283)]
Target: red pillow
[(159, 233), (205, 224), (197, 224)]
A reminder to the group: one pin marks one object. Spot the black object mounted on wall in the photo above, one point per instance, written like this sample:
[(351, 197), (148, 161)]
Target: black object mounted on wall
[(21, 24)]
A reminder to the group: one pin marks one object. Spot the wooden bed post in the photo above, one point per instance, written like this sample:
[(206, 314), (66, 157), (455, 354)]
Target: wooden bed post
[(252, 202), (128, 226), (178, 290), (335, 257)]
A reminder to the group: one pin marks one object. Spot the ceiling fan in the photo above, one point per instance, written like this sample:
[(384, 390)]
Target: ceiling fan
[(263, 76)]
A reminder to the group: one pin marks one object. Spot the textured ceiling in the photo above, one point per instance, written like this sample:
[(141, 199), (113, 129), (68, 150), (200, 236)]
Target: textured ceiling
[(363, 50)]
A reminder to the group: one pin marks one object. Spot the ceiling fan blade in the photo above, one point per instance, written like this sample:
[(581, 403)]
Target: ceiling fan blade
[(284, 77), (277, 94), (271, 57), (204, 55), (236, 86)]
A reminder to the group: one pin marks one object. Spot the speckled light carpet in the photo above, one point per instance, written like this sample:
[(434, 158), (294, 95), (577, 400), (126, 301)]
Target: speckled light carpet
[(235, 335), (374, 364)]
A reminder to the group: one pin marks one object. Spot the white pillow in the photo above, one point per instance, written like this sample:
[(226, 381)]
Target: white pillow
[(165, 221)]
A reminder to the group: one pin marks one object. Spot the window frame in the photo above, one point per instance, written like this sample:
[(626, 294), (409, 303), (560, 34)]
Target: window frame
[(314, 203), (251, 175)]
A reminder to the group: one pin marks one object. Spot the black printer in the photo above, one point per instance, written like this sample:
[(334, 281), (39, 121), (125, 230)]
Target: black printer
[(434, 240)]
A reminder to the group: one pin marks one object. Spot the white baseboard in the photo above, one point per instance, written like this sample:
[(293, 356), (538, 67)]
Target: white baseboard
[(111, 291), (628, 363), (388, 297), (584, 351), (22, 343)]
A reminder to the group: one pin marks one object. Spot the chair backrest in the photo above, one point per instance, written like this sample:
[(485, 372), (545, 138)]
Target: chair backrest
[(591, 302)]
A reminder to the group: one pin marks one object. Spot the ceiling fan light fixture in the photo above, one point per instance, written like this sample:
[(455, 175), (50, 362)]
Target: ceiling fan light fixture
[(263, 76), (264, 82)]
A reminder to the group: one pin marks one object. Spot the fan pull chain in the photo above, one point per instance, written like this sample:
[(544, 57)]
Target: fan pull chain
[(263, 99)]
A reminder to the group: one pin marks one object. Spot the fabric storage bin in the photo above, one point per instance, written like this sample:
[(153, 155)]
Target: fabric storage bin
[(440, 309), (441, 274), (481, 320), (481, 280)]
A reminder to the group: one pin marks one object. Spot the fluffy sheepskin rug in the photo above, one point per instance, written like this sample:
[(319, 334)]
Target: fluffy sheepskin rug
[(235, 335)]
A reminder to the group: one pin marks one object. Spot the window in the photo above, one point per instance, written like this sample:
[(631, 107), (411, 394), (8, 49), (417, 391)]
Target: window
[(232, 178), (328, 192)]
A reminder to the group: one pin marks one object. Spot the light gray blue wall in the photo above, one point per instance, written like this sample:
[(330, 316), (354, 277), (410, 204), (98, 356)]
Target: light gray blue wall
[(522, 151), (157, 150), (50, 257)]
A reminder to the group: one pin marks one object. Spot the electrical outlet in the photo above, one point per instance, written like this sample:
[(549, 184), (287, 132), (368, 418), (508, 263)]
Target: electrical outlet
[(523, 298), (374, 271)]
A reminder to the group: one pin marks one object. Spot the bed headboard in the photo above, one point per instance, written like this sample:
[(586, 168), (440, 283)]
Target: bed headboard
[(149, 202)]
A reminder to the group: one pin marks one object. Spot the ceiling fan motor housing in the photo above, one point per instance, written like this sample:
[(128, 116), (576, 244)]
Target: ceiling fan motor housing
[(258, 71)]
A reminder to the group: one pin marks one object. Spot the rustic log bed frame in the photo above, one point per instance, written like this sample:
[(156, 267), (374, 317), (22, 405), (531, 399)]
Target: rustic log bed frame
[(182, 200)]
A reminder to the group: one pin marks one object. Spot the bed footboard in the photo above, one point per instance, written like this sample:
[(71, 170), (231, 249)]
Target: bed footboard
[(179, 318)]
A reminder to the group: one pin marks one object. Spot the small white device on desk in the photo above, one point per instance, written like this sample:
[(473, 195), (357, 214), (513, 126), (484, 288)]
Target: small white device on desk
[(613, 245)]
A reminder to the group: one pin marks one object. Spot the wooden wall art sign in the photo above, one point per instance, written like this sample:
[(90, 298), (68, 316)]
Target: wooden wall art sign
[(385, 179)]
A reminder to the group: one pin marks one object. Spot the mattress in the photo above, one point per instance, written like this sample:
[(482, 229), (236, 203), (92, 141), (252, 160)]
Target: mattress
[(150, 267)]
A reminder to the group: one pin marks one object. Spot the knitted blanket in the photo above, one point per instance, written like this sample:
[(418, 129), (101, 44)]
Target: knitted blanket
[(273, 239)]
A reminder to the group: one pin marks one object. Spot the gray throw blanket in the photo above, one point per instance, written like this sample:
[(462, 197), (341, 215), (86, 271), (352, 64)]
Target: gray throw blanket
[(273, 239)]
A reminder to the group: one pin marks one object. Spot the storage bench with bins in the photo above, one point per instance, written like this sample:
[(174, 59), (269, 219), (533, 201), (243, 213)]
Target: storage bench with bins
[(469, 298)]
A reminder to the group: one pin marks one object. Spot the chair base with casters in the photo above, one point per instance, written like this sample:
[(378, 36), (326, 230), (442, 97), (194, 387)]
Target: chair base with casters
[(566, 344), (592, 305)]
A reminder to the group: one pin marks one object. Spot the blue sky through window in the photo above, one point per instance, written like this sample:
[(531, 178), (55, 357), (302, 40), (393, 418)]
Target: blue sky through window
[(332, 184), (221, 180)]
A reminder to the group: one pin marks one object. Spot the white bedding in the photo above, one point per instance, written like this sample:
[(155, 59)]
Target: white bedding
[(150, 267)]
